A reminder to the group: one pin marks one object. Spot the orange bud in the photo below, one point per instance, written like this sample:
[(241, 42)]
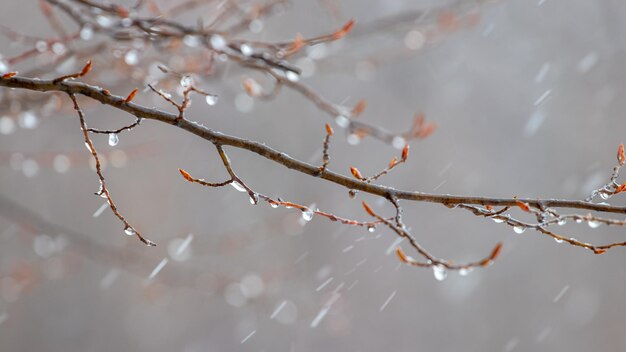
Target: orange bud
[(496, 251), (250, 86), (86, 68), (599, 251), (329, 130), (344, 30), (488, 207), (356, 173), (405, 152), (522, 205), (186, 175), (9, 75), (297, 44), (131, 96), (368, 209), (621, 157), (393, 162), (621, 188), (359, 108), (402, 256), (427, 130)]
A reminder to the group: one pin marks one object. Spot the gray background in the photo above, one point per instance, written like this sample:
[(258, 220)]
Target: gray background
[(478, 84)]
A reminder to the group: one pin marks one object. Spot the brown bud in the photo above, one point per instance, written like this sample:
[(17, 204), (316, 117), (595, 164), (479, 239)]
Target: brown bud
[(356, 173), (86, 68), (9, 75), (405, 152), (344, 30), (329, 130), (368, 209), (186, 175), (522, 205), (131, 96)]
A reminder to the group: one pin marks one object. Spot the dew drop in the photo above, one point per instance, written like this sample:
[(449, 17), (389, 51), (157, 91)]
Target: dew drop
[(561, 222), (273, 205), (292, 76), (353, 139), (7, 125), (519, 229), (113, 139), (558, 240), (186, 81), (86, 32), (28, 120), (236, 185), (440, 272), (307, 215), (342, 121), (191, 41), (246, 49), (218, 42), (129, 231), (594, 224), (371, 229), (41, 46), (398, 142), (131, 58), (253, 200), (465, 271), (605, 196), (255, 26), (211, 100), (498, 220)]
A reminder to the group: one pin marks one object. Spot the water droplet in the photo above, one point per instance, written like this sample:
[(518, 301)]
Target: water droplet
[(498, 220), (414, 40), (465, 271), (191, 41), (253, 200), (30, 168), (4, 68), (398, 142), (307, 215), (211, 100), (604, 195), (218, 42), (255, 26), (186, 81), (246, 49), (558, 240), (371, 229), (61, 163), (594, 224), (440, 272), (129, 231), (41, 46), (131, 58), (273, 205), (561, 222), (86, 33), (58, 48), (28, 120), (7, 125), (353, 139), (292, 76), (113, 139), (236, 185), (342, 121), (104, 21), (519, 229), (244, 103)]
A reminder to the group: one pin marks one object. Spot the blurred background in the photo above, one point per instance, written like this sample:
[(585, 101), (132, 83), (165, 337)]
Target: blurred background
[(528, 99)]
